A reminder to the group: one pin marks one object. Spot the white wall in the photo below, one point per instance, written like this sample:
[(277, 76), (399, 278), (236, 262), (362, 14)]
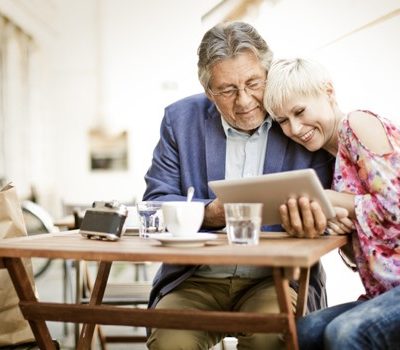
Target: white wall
[(139, 61), (149, 61), (363, 64)]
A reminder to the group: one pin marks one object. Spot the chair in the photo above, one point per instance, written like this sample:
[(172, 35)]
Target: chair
[(37, 220), (134, 293)]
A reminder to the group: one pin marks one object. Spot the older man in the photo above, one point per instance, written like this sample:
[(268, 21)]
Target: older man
[(225, 134)]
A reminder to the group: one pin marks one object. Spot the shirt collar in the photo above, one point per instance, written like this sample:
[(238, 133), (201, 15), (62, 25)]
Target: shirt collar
[(229, 130)]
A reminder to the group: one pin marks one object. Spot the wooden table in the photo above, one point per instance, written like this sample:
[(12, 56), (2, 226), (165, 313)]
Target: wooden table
[(285, 255)]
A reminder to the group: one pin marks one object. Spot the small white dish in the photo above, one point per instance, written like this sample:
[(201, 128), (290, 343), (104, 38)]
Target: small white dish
[(197, 240)]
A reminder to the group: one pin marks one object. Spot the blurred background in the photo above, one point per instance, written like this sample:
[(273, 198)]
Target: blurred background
[(83, 83)]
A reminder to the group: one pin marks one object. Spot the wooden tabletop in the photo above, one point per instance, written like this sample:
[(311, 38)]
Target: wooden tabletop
[(275, 249)]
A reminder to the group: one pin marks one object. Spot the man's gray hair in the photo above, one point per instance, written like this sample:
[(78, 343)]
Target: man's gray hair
[(227, 40)]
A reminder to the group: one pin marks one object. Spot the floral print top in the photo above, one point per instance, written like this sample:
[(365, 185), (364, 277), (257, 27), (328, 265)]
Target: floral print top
[(375, 180)]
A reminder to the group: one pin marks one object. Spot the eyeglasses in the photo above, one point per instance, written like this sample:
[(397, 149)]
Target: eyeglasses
[(249, 89)]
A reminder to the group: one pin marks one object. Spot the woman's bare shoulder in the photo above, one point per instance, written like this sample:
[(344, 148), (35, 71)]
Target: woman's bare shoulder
[(370, 131)]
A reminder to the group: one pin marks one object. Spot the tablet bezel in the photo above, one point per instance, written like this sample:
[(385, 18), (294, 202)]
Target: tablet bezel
[(272, 190)]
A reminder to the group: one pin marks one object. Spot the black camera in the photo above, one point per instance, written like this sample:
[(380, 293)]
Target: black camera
[(105, 220)]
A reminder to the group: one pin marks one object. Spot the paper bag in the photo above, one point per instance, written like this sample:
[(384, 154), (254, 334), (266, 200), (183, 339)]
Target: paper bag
[(14, 329)]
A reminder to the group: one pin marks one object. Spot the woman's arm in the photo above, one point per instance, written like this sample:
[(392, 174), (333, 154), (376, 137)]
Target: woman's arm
[(342, 200), (369, 174)]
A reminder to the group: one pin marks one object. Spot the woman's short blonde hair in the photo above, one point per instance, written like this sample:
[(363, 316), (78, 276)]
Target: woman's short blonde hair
[(293, 77)]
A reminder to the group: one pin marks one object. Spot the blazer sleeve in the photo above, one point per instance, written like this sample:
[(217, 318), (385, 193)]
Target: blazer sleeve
[(163, 177)]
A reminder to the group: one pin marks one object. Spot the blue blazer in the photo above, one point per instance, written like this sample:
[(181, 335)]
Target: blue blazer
[(191, 151)]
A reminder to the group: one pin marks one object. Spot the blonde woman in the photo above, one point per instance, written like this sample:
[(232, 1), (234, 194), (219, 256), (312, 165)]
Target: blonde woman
[(300, 97)]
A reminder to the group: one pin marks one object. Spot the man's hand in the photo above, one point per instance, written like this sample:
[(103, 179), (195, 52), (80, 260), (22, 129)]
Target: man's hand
[(341, 224), (303, 218), (214, 215)]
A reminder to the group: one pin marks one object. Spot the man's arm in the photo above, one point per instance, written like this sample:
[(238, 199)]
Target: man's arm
[(163, 177), (180, 158)]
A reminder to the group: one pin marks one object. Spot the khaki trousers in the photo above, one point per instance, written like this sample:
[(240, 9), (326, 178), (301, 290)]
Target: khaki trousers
[(214, 294)]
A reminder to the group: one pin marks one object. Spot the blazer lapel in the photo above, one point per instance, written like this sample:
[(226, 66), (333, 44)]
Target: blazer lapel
[(215, 141), (276, 150)]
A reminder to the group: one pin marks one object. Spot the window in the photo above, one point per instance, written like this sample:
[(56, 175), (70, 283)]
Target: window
[(15, 47)]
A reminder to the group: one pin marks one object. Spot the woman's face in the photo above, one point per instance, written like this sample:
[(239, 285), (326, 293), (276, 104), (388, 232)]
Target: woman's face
[(309, 121)]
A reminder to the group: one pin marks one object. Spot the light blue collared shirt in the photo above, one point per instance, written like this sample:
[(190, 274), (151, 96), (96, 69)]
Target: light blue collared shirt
[(245, 156)]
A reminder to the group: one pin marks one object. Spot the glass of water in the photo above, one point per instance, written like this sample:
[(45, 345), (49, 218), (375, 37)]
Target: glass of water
[(243, 222), (150, 218)]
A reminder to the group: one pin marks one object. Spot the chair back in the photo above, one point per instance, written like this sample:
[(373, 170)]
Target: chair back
[(37, 219)]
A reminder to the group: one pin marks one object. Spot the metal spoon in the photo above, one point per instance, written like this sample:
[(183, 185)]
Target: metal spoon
[(190, 194)]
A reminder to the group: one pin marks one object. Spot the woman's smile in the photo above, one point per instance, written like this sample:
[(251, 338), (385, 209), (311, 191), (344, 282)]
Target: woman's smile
[(307, 136)]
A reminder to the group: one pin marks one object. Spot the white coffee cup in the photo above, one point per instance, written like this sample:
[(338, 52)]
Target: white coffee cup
[(183, 218)]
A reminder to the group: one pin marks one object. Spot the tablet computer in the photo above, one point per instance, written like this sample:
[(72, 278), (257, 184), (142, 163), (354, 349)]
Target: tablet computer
[(272, 190)]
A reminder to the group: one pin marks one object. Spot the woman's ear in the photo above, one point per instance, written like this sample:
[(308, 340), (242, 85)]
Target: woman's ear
[(330, 91)]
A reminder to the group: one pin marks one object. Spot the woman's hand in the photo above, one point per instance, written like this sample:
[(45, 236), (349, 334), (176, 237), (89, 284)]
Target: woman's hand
[(341, 224), (342, 200)]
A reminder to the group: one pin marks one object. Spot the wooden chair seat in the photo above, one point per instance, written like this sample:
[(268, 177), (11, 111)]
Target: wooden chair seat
[(135, 293)]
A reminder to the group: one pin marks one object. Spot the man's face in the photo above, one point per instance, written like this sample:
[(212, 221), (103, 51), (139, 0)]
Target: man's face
[(242, 109)]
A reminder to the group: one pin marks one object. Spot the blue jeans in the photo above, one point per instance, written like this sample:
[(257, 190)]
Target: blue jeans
[(359, 325)]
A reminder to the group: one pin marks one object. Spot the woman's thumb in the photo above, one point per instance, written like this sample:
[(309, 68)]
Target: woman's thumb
[(341, 212)]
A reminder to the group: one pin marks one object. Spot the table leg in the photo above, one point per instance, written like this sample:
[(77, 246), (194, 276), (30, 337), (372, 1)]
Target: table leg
[(282, 290), (25, 292), (96, 298), (78, 295), (303, 291)]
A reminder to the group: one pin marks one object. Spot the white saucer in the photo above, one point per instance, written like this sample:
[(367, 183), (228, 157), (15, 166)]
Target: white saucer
[(197, 240)]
